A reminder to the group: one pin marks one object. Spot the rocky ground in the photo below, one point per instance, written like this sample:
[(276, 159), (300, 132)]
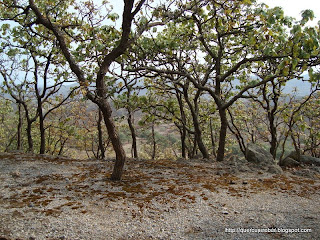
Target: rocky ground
[(45, 197)]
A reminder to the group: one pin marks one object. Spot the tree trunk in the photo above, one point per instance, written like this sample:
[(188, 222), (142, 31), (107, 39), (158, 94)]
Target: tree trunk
[(295, 144), (101, 151), (273, 142), (237, 133), (201, 146), (115, 140), (222, 134), (197, 130), (29, 136), (62, 143), (183, 133), (42, 131), (194, 147), (133, 135), (100, 97), (213, 144), (19, 129), (153, 142)]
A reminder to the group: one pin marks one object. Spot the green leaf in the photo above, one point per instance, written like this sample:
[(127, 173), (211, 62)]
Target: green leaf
[(113, 17)]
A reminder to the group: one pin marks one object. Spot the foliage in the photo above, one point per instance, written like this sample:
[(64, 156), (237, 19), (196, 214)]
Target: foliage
[(209, 79), (8, 121)]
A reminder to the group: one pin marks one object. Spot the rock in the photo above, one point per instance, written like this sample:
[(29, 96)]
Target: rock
[(310, 160), (289, 162), (16, 174), (305, 173), (304, 158), (294, 155), (275, 169), (258, 155), (225, 211), (244, 168)]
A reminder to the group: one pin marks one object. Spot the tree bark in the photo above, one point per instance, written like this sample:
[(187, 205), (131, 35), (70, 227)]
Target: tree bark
[(115, 140), (213, 144), (198, 138), (183, 129), (133, 135), (19, 128), (273, 142), (154, 144), (196, 124), (183, 134), (29, 136), (222, 134), (42, 129), (101, 150)]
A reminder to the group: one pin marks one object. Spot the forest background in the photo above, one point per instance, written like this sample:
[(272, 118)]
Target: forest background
[(178, 79)]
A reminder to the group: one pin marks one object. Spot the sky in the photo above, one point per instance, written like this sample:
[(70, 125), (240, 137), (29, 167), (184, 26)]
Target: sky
[(293, 8)]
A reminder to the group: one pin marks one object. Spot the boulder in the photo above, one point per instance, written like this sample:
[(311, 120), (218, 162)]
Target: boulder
[(289, 162), (258, 155), (275, 169), (305, 159), (294, 155), (310, 160)]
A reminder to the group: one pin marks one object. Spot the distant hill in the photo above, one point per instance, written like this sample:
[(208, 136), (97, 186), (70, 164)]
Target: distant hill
[(303, 87)]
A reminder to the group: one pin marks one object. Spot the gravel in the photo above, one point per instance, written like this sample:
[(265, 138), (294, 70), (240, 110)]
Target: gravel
[(44, 197)]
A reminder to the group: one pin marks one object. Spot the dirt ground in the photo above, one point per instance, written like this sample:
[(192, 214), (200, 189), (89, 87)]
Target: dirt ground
[(46, 197)]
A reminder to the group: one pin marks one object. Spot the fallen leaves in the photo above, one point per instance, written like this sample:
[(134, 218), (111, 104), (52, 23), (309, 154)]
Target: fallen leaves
[(152, 181)]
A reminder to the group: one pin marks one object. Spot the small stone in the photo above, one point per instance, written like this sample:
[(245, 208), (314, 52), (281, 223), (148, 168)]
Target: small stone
[(16, 174), (225, 211)]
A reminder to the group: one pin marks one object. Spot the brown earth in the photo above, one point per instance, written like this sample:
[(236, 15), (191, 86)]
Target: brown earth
[(46, 197)]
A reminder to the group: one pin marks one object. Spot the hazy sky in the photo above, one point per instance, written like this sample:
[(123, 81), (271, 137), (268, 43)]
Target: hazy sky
[(294, 7), (291, 8)]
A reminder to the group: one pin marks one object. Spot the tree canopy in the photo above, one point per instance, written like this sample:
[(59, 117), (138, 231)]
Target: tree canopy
[(199, 66)]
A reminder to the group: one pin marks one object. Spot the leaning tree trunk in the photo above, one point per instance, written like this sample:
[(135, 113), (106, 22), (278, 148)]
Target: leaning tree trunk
[(222, 134), (115, 140), (198, 138)]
